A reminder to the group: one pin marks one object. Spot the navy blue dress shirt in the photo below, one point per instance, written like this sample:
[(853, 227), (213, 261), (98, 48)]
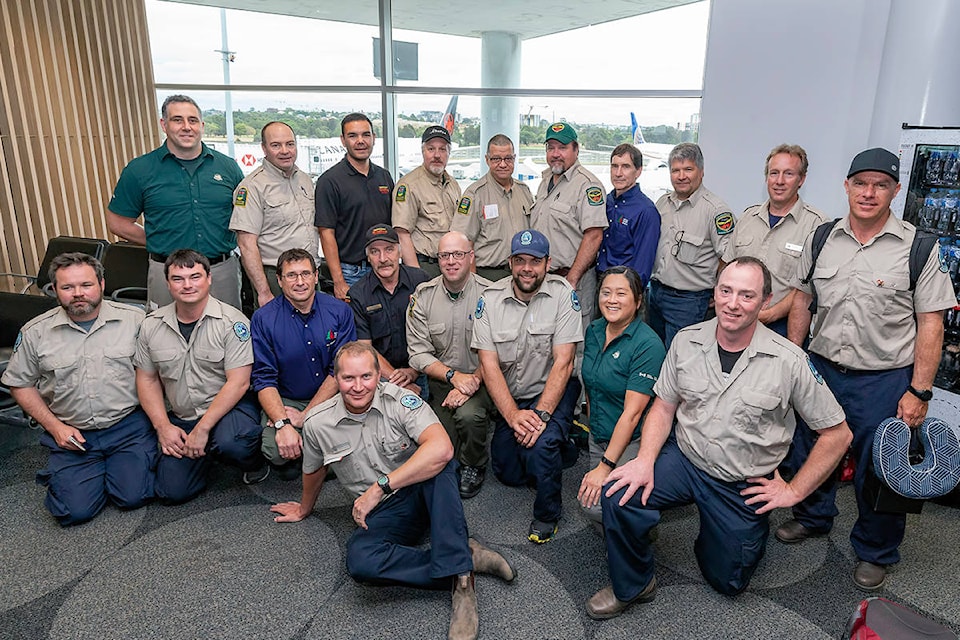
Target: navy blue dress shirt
[(293, 351), (633, 234)]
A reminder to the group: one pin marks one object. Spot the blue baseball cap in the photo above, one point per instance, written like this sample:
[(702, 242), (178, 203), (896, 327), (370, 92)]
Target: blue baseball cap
[(530, 242)]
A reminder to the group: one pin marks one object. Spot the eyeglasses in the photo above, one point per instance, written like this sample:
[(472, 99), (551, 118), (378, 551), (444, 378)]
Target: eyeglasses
[(301, 275), (675, 249), (456, 255), (503, 160)]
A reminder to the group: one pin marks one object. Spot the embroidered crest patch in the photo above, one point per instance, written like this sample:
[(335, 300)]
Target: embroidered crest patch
[(242, 331), (479, 313), (411, 401), (240, 200), (595, 196), (724, 223), (464, 206), (402, 193), (575, 301), (813, 369), (16, 344)]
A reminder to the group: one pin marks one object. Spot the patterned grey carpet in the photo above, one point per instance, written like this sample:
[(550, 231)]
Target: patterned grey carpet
[(219, 567)]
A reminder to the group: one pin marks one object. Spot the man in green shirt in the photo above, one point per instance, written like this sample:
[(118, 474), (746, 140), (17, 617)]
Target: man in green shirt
[(184, 190)]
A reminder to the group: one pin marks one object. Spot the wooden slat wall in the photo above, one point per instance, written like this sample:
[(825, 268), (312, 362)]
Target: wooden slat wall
[(77, 102)]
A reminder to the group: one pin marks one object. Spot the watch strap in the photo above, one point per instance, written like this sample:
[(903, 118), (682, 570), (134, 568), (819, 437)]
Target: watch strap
[(925, 395), (607, 462)]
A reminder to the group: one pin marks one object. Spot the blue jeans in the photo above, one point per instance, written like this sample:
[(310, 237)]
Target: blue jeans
[(670, 310), (353, 272)]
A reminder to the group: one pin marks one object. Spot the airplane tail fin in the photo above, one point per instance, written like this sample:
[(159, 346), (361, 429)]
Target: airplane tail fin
[(450, 115), (637, 134)]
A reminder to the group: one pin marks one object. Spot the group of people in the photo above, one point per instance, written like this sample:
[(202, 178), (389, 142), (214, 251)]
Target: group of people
[(459, 330)]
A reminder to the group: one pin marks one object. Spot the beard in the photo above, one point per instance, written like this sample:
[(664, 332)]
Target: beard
[(81, 308), (529, 288), (557, 168), (436, 170)]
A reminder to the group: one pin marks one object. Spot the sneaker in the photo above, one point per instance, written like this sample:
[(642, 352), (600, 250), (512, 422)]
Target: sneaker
[(257, 475), (541, 532), (471, 479)]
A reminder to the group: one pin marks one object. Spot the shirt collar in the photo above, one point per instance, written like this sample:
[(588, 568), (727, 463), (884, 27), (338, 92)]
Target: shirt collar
[(694, 198), (106, 314), (706, 337), (168, 313), (205, 152), (275, 171)]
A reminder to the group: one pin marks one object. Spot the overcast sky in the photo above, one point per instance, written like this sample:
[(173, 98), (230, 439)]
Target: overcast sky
[(661, 50)]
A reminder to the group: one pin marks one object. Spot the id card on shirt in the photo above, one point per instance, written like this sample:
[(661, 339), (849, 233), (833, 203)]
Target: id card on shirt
[(490, 211)]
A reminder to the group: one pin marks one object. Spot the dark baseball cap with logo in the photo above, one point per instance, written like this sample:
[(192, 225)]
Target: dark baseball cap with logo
[(531, 243), (877, 159), (435, 131), (381, 232), (561, 132)]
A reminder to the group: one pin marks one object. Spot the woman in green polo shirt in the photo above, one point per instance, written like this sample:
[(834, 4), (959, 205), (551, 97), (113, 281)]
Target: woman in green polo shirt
[(622, 357)]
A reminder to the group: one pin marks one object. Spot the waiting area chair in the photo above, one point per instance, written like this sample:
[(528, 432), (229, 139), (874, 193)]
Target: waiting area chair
[(16, 309), (125, 273), (61, 244)]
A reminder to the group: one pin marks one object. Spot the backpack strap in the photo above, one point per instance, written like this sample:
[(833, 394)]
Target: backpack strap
[(819, 239), (923, 243)]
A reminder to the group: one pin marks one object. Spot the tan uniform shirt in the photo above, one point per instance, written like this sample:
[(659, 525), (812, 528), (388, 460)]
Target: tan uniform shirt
[(779, 247), (440, 328), (740, 426), (490, 216), (423, 204), (193, 373), (523, 335), (278, 210), (573, 206), (865, 312), (361, 449), (693, 235), (85, 378)]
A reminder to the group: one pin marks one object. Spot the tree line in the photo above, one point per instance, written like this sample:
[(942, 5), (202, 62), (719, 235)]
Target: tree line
[(326, 124)]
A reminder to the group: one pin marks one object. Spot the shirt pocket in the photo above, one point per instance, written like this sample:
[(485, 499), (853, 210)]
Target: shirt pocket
[(889, 293), (65, 367), (397, 448), (689, 248), (118, 363), (692, 390), (435, 217), (506, 345), (541, 338), (210, 362), (167, 363), (788, 259), (438, 332), (280, 207), (379, 324), (829, 294), (750, 415)]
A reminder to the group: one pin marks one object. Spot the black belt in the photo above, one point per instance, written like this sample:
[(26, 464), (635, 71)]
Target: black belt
[(672, 290), (159, 257), (423, 258), (847, 370)]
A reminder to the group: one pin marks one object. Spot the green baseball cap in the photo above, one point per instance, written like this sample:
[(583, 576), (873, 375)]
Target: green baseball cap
[(561, 132)]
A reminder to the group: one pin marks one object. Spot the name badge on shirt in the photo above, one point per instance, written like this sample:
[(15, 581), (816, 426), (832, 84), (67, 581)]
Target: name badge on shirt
[(794, 247), (490, 211)]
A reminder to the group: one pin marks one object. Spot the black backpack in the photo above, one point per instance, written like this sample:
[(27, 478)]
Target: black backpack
[(923, 244)]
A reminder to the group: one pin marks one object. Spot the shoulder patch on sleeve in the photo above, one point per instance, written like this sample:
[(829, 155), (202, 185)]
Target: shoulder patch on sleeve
[(411, 401), (402, 193), (944, 268), (242, 331), (813, 369), (479, 312), (575, 301), (464, 206), (413, 303), (19, 340), (240, 199), (595, 196), (724, 223)]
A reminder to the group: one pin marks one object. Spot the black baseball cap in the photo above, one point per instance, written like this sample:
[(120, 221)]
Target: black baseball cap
[(877, 159), (435, 131), (381, 232)]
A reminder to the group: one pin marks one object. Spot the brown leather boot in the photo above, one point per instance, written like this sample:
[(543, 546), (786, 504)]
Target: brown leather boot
[(487, 560), (464, 621)]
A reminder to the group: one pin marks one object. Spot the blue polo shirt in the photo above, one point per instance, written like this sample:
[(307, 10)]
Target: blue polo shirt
[(631, 362), (632, 235), (381, 316), (180, 210), (292, 351)]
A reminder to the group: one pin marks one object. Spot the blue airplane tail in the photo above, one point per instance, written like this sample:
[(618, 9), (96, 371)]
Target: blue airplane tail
[(635, 130)]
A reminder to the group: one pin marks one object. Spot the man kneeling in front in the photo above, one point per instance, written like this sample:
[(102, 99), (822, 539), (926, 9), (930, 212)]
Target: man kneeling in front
[(389, 449), (732, 384)]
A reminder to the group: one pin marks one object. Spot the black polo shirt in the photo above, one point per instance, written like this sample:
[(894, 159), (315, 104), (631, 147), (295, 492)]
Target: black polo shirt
[(350, 203), (381, 317)]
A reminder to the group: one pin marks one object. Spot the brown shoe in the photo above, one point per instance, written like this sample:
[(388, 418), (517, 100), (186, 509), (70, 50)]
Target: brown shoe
[(488, 561), (868, 576), (604, 603), (464, 621), (791, 532)]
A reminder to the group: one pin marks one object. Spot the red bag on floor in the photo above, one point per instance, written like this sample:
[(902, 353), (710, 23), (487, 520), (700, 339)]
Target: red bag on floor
[(882, 619)]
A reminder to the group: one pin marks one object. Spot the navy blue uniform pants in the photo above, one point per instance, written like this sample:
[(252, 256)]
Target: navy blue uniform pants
[(732, 538), (670, 310), (868, 398), (541, 465), (234, 440), (388, 552), (118, 464)]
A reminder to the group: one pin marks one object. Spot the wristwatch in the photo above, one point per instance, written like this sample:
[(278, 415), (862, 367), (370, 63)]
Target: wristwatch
[(384, 483), (279, 423), (450, 373), (926, 395), (544, 415)]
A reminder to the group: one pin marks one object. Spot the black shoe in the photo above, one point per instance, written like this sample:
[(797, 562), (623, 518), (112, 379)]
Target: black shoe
[(292, 470), (541, 532), (471, 479), (258, 475)]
